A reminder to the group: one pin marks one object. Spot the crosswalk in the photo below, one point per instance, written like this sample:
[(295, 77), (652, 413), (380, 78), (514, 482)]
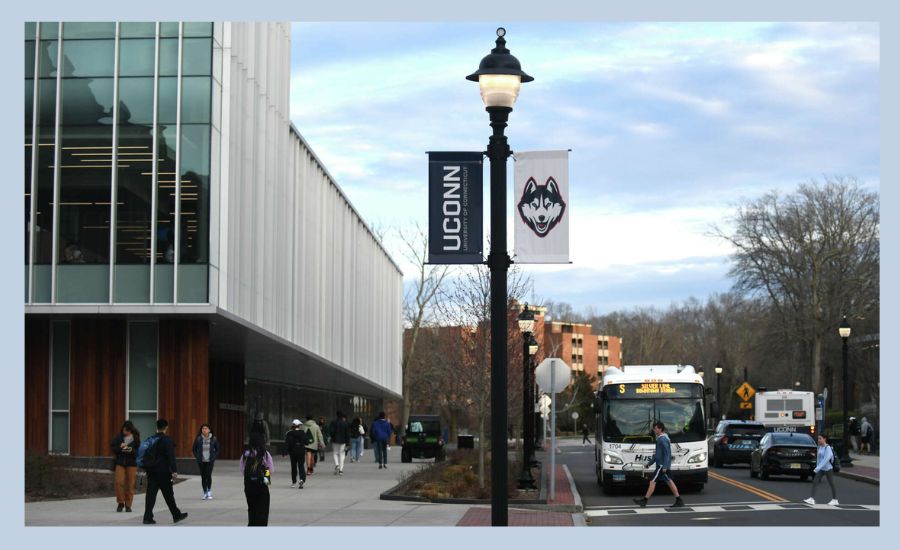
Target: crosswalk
[(718, 508)]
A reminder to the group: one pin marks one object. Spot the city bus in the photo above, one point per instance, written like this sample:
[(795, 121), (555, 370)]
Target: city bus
[(786, 411), (627, 404)]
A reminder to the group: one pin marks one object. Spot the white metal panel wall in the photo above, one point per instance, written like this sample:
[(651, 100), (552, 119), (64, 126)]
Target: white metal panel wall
[(294, 257)]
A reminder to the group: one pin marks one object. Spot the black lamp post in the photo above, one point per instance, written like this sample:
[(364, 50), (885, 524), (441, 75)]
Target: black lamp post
[(844, 331), (718, 387), (526, 325), (499, 77)]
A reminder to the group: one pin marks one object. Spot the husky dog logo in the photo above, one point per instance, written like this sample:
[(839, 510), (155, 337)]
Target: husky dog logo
[(541, 206)]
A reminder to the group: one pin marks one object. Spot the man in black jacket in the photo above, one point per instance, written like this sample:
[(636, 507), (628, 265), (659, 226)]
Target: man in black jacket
[(295, 442), (339, 430), (161, 472)]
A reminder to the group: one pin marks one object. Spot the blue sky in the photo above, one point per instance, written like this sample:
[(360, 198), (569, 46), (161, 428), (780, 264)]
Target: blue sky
[(671, 125)]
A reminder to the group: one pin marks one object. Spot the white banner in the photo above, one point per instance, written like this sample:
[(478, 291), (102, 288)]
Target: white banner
[(542, 207)]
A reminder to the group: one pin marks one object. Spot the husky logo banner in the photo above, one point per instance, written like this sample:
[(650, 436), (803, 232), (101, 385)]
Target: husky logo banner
[(455, 208), (542, 211)]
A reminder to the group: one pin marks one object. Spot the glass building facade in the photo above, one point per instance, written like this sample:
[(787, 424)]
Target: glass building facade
[(117, 162)]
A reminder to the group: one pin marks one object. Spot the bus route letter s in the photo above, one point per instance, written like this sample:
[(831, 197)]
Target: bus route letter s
[(455, 208)]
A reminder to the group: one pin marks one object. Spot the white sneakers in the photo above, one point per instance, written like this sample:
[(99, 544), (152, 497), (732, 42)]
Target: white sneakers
[(833, 502), (810, 500)]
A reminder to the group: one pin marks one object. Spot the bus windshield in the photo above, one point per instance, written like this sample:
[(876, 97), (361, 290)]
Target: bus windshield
[(630, 420)]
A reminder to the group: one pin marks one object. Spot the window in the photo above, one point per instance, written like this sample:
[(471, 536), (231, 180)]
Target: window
[(141, 374), (59, 387)]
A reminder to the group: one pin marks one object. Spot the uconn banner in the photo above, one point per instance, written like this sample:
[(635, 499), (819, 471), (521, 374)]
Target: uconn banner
[(454, 208), (541, 219)]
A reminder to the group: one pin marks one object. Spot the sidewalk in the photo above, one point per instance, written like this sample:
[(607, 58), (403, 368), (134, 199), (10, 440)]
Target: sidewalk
[(865, 468)]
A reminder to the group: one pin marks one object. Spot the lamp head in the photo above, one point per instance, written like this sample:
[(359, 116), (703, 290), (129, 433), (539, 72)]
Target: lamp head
[(499, 75), (844, 329)]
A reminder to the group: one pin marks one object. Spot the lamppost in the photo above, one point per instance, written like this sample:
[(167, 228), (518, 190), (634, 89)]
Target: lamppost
[(718, 387), (499, 78), (844, 332), (529, 348)]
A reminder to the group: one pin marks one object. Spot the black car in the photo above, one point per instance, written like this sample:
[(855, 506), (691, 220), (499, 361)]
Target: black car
[(781, 453), (423, 438), (734, 441)]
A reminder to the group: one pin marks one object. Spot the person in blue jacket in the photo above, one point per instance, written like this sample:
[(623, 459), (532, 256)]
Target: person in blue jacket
[(205, 450), (824, 456), (662, 457), (381, 434)]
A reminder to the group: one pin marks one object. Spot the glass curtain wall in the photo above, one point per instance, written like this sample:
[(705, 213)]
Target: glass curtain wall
[(143, 352), (59, 387), (156, 107)]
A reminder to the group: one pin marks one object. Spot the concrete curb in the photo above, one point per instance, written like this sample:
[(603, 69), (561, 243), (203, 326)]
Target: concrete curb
[(579, 507), (858, 477)]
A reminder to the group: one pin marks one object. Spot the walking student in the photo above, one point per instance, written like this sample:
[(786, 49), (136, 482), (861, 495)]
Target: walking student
[(206, 449), (824, 456), (867, 431), (381, 434), (326, 439), (315, 443), (357, 439), (339, 431), (124, 447), (585, 432), (295, 442), (159, 461), (257, 466), (662, 457)]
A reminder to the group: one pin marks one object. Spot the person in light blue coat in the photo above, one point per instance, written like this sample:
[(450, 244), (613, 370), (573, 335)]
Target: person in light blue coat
[(824, 456), (662, 457)]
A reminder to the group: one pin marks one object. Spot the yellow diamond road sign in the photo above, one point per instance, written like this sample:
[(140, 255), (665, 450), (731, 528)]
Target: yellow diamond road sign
[(745, 392)]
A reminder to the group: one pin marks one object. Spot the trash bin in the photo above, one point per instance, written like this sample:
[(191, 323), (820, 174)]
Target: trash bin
[(465, 441)]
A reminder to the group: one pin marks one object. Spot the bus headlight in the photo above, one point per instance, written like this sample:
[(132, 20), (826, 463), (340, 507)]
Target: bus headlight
[(611, 459), (699, 457)]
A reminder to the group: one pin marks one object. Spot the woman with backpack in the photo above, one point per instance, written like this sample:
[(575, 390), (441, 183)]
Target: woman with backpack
[(257, 466), (206, 449), (124, 447), (357, 439)]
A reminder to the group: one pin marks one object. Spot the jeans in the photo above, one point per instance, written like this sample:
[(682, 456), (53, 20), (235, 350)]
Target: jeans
[(829, 476), (337, 449), (356, 447), (160, 482), (381, 452), (298, 467), (206, 469)]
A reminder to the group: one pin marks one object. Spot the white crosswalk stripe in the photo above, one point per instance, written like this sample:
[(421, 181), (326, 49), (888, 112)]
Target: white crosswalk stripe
[(736, 507)]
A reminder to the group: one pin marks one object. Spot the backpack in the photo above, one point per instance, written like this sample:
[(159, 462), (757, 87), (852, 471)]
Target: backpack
[(835, 461), (147, 453), (255, 471)]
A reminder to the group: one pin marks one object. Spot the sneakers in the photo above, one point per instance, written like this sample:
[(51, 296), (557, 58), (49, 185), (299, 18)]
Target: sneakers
[(833, 502), (205, 496), (209, 495), (337, 470), (341, 472), (120, 507), (300, 485), (385, 466), (380, 466), (678, 503), (128, 508), (149, 521), (810, 500), (179, 517), (642, 501), (293, 485)]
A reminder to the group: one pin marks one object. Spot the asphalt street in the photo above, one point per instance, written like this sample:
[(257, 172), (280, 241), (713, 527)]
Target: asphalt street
[(731, 497)]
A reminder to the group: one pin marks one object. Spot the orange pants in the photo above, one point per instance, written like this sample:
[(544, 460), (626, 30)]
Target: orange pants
[(125, 477)]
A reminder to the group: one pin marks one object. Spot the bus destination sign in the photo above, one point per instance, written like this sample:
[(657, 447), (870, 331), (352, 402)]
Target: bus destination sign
[(653, 389)]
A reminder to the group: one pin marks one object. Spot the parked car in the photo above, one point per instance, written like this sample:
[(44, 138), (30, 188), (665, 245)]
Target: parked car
[(734, 441), (423, 438), (782, 453)]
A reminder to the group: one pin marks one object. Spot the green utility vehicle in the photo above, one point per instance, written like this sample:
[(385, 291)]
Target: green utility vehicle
[(423, 438)]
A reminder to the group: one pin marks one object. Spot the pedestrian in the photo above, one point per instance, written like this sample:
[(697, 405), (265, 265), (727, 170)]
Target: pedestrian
[(662, 457), (326, 439), (339, 434), (295, 442), (824, 456), (357, 439), (205, 450), (260, 426), (585, 433), (855, 432), (158, 458), (381, 434), (257, 466), (315, 443), (124, 447), (866, 431)]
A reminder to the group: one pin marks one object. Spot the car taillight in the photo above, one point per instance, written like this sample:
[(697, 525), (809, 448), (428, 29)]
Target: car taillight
[(724, 440), (774, 451)]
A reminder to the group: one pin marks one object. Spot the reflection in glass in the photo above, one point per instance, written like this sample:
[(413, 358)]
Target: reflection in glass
[(168, 57), (195, 99), (49, 31), (136, 57), (137, 30), (136, 101), (197, 57), (168, 29), (29, 59), (89, 30), (197, 29), (165, 217), (48, 56), (168, 101), (83, 58), (142, 365)]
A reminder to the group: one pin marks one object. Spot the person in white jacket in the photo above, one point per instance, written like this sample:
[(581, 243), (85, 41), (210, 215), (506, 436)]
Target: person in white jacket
[(824, 456)]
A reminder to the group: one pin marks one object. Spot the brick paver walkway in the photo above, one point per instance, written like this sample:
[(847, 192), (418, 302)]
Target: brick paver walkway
[(563, 490), (481, 517)]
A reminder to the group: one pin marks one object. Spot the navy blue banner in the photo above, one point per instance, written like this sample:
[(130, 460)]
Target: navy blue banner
[(455, 208)]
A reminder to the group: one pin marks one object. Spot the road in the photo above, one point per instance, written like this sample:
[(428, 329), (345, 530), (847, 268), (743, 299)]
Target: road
[(731, 497)]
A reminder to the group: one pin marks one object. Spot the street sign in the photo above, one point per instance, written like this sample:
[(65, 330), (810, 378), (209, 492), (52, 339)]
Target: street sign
[(575, 415), (553, 375), (745, 392), (746, 405)]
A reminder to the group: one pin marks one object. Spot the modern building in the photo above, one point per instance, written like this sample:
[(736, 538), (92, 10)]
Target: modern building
[(187, 255)]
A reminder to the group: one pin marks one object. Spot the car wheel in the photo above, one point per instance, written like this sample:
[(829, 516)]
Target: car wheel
[(405, 455), (752, 471), (763, 474)]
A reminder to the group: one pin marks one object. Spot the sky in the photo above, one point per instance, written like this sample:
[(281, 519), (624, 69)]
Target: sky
[(671, 125)]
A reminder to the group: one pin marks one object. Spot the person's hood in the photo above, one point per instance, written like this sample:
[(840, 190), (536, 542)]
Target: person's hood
[(864, 419)]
